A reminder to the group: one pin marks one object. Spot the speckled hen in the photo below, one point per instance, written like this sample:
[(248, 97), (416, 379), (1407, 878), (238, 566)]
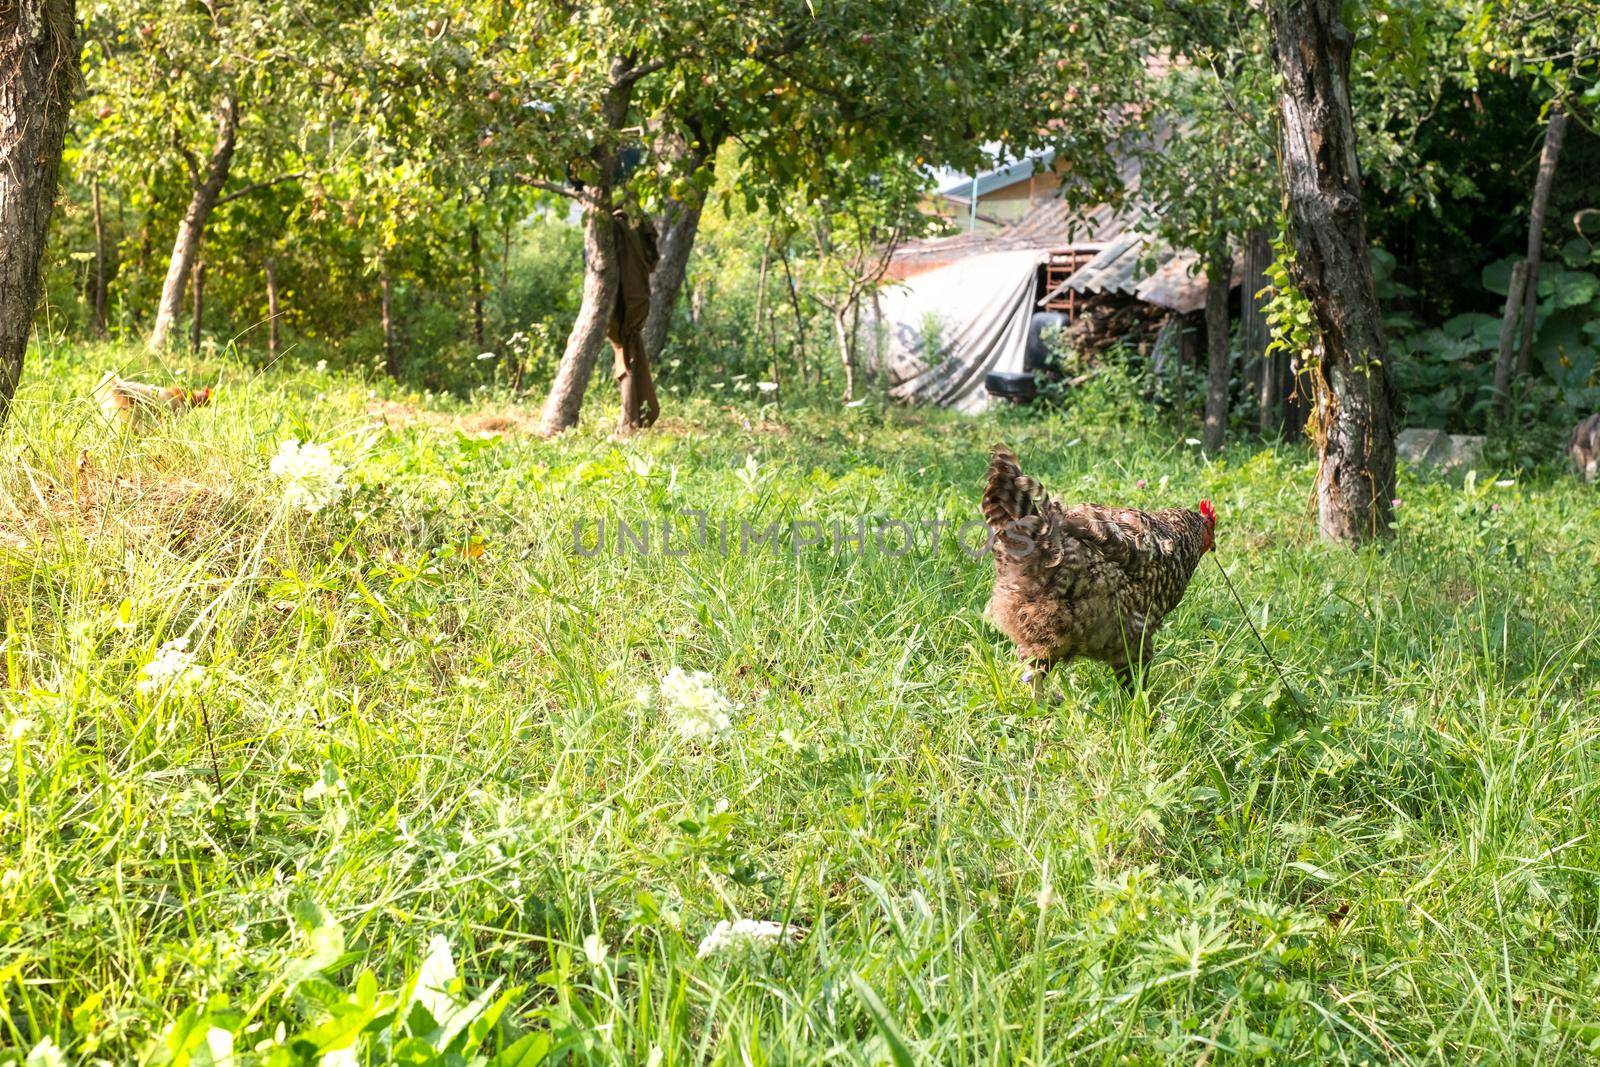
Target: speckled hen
[(1085, 581)]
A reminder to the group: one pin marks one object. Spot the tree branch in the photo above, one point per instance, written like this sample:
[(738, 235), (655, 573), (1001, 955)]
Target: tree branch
[(189, 159), (549, 187), (634, 74), (256, 187)]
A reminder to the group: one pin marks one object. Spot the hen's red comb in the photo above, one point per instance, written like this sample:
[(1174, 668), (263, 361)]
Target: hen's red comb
[(1208, 512)]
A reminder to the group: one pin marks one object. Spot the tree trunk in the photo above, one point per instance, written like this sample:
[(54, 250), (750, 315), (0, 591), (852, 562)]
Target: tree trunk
[(391, 352), (1269, 396), (272, 310), (601, 278), (1555, 133), (99, 264), (799, 315), (38, 73), (199, 307), (841, 329), (1322, 179), (1508, 336), (677, 241), (601, 271), (205, 189), (477, 288), (1219, 278)]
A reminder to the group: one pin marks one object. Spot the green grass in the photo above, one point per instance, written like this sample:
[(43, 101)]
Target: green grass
[(415, 739)]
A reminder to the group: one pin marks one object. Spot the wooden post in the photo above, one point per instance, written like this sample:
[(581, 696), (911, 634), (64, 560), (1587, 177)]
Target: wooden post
[(199, 306), (1555, 133), (1257, 260), (272, 309), (1508, 336), (477, 288), (390, 356), (99, 264), (1219, 276)]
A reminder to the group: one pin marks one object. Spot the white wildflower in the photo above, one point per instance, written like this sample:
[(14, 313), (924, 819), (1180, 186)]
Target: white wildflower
[(174, 667), (744, 939), (18, 728), (595, 950), (46, 1054), (309, 474), (345, 1056), (702, 712), (767, 387), (322, 366)]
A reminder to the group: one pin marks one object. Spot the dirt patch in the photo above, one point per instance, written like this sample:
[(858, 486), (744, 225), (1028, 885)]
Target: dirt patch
[(93, 501), (739, 420), (482, 424)]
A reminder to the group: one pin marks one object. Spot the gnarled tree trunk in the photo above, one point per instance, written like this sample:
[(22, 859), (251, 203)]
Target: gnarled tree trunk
[(1355, 401), (601, 274), (38, 73), (601, 278), (204, 190), (1219, 279)]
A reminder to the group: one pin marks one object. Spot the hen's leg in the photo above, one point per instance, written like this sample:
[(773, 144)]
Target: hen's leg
[(1138, 658), (1124, 673), (1034, 674)]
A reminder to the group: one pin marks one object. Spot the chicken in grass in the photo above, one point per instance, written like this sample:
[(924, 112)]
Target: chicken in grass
[(136, 405), (1584, 448), (1085, 581)]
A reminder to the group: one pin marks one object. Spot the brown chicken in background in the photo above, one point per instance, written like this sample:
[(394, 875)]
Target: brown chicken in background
[(134, 404), (1085, 581)]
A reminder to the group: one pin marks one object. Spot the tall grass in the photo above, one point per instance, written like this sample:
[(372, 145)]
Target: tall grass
[(422, 708)]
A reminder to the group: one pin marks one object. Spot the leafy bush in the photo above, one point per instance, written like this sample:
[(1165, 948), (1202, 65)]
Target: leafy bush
[(1446, 373)]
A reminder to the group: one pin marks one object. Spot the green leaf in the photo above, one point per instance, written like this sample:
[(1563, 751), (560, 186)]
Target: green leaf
[(526, 1051), (880, 1015), (1577, 253), (1567, 288), (1475, 325), (1497, 276)]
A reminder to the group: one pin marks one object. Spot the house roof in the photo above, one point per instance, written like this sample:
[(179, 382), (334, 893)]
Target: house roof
[(1000, 177)]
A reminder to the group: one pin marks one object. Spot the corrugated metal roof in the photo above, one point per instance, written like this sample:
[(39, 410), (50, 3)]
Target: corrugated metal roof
[(1176, 282)]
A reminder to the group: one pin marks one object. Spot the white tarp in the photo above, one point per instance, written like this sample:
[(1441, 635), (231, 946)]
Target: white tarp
[(944, 329)]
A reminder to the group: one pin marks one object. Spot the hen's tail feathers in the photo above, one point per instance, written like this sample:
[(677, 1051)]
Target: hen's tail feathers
[(1009, 495)]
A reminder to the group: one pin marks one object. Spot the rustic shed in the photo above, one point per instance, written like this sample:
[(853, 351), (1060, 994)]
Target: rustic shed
[(964, 303)]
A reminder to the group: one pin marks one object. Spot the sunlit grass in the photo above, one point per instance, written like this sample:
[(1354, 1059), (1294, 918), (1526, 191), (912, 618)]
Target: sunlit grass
[(425, 714)]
